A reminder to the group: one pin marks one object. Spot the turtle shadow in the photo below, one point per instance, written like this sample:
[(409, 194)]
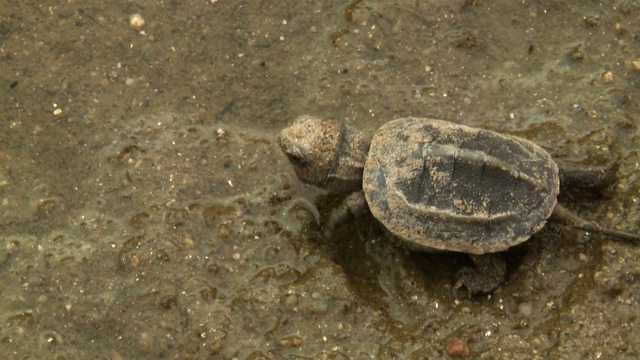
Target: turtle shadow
[(370, 255), (462, 274), (380, 268)]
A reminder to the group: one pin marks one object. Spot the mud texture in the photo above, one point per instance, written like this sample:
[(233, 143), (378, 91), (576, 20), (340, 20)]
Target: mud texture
[(147, 213)]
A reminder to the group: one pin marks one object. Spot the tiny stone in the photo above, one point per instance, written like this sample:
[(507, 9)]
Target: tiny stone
[(525, 309), (591, 21), (291, 301), (291, 341), (134, 260), (576, 53), (618, 28), (136, 21), (457, 348), (224, 231), (321, 306), (296, 341)]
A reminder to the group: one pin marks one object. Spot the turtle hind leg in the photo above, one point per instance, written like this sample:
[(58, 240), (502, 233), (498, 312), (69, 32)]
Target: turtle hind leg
[(351, 207), (489, 272), (593, 179)]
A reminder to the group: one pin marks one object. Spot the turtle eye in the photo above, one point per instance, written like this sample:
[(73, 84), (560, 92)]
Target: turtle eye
[(297, 160)]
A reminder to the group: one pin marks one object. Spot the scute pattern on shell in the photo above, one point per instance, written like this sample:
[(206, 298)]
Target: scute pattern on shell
[(445, 186)]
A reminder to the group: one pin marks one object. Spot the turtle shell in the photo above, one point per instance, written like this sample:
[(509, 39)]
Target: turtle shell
[(443, 186)]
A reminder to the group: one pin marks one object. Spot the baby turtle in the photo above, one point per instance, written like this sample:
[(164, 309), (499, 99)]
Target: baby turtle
[(435, 184)]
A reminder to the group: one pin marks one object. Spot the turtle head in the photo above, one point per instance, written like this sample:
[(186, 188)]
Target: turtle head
[(325, 153)]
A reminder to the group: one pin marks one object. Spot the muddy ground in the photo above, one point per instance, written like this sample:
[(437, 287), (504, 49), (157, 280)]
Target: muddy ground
[(146, 212)]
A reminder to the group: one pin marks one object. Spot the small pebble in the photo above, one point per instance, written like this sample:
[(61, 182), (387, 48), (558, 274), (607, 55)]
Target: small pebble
[(457, 348), (136, 21), (525, 309), (291, 301), (223, 231), (293, 341)]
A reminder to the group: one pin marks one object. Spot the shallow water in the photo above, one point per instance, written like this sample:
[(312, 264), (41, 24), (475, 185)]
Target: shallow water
[(146, 212)]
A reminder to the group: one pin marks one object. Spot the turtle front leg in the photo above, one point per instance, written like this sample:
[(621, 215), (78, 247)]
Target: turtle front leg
[(352, 206)]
